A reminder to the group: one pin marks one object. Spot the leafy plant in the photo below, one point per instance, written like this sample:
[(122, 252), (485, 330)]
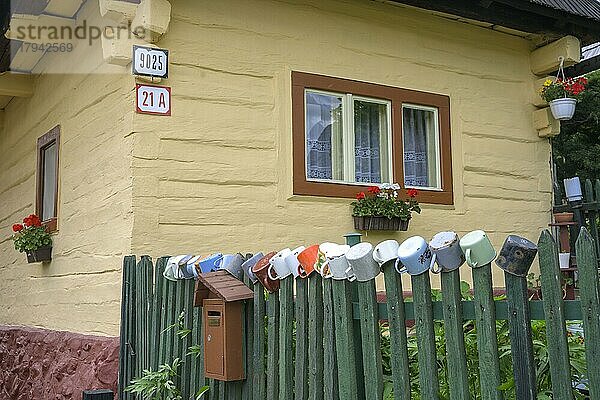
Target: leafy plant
[(30, 235), (558, 89), (385, 201), (158, 385), (541, 357)]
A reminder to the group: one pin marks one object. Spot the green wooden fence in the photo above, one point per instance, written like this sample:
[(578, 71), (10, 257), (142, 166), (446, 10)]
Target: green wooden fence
[(319, 339)]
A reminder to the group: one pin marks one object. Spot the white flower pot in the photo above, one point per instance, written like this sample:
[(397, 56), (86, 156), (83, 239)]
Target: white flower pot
[(564, 260), (563, 109)]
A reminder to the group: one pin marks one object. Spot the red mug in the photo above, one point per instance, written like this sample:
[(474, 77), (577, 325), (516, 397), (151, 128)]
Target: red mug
[(261, 269), (307, 259)]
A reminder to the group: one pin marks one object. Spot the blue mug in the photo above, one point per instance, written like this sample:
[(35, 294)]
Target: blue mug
[(210, 263), (232, 263), (415, 256)]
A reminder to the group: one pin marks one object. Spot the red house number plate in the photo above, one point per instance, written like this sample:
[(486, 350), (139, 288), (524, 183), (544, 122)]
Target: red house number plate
[(151, 99)]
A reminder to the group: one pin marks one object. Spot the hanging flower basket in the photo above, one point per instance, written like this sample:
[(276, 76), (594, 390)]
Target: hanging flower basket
[(563, 109), (380, 224), (42, 254)]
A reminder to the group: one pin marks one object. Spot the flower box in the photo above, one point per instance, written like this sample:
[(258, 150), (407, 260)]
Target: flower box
[(42, 254), (374, 223)]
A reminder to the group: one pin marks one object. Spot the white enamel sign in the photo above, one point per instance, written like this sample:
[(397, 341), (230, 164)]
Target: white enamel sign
[(148, 61), (155, 100)]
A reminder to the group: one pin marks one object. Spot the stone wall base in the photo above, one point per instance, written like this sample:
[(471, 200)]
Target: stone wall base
[(43, 364)]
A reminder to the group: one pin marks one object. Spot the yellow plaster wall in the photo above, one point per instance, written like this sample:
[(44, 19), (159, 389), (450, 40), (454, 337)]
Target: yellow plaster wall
[(80, 289), (217, 174)]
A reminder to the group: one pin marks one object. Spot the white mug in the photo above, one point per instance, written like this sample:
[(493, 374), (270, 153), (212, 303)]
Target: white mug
[(360, 258), (292, 261), (446, 247), (386, 251), (329, 251), (415, 256), (338, 267), (278, 264)]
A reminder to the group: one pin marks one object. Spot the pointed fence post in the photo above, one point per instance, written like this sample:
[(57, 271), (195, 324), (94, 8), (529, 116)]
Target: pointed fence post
[(556, 332), (589, 291)]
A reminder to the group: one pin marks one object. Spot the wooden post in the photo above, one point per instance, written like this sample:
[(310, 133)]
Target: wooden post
[(371, 349), (273, 346), (487, 341), (286, 332), (519, 325), (315, 337), (398, 340), (301, 365), (455, 340), (428, 373), (330, 368), (259, 389), (556, 332), (589, 290)]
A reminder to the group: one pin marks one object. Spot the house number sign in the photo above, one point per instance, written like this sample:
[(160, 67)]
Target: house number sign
[(151, 99), (148, 61)]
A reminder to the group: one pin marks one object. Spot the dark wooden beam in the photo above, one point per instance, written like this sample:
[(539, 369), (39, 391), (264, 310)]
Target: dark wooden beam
[(582, 68)]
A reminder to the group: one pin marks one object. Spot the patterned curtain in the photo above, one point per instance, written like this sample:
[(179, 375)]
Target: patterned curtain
[(416, 169), (319, 120), (367, 142)]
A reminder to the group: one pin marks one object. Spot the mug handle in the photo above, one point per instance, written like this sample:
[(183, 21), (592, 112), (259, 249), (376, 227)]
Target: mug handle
[(350, 278), (469, 260), (217, 263), (301, 271), (400, 271), (329, 275), (269, 273), (433, 264)]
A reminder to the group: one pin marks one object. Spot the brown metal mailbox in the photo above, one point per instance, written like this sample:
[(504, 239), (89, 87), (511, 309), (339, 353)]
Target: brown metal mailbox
[(222, 297)]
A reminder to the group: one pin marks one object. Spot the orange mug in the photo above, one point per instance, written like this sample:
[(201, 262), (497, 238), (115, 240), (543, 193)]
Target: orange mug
[(307, 259)]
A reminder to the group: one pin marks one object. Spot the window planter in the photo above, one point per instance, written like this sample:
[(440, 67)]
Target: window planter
[(377, 223), (40, 255), (563, 109)]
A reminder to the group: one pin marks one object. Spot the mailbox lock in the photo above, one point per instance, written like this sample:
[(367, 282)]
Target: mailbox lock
[(209, 338)]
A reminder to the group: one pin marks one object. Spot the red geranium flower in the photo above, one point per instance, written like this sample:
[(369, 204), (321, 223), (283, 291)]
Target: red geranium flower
[(32, 220), (412, 192), (360, 195), (374, 189), (17, 228)]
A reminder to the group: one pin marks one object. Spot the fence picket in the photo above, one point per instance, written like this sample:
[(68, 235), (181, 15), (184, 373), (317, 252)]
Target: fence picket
[(259, 389), (344, 344), (371, 347), (157, 308), (315, 337), (398, 340), (197, 359), (273, 345), (556, 332), (186, 370), (330, 380), (140, 320), (428, 376), (455, 340), (286, 345), (487, 342), (519, 325), (589, 290), (248, 345), (179, 308), (301, 365), (125, 355), (592, 212)]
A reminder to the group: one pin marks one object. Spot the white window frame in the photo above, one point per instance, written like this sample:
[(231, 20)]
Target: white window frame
[(348, 137), (438, 162)]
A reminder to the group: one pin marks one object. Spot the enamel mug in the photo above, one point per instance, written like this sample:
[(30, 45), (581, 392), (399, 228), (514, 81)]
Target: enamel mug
[(415, 256), (210, 263), (477, 248), (232, 263), (249, 263), (329, 251), (279, 268), (386, 251), (448, 254), (292, 261), (360, 258), (260, 270), (517, 255), (338, 268), (308, 259)]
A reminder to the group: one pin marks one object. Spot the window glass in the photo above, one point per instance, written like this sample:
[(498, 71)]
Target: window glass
[(324, 123), (371, 145), (421, 147), (49, 182)]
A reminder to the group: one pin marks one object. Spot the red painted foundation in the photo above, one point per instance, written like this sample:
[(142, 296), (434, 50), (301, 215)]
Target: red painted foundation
[(49, 365)]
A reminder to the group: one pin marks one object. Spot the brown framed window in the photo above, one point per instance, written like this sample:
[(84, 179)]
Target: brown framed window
[(349, 134), (46, 204)]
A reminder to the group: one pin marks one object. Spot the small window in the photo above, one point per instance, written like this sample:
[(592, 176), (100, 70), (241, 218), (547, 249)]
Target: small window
[(348, 134), (47, 178)]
